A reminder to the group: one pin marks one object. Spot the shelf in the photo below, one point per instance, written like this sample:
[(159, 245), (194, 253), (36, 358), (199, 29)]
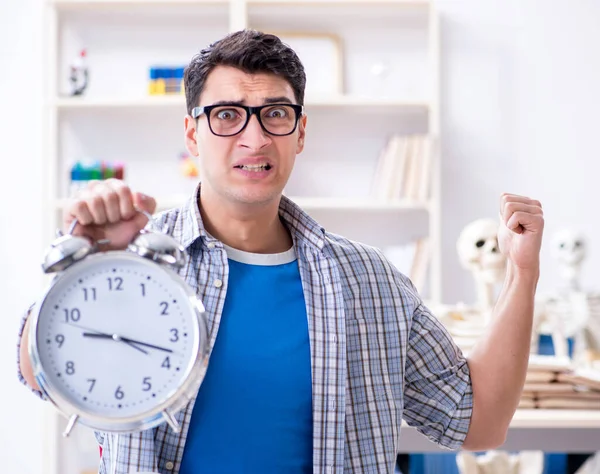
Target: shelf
[(101, 3), (357, 204), (556, 419), (310, 204), (573, 431), (335, 15), (406, 3), (92, 4), (552, 419), (67, 103)]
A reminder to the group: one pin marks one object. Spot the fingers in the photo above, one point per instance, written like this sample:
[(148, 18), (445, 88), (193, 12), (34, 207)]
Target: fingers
[(513, 207), (80, 211), (521, 221), (145, 203), (125, 196), (102, 202), (512, 199), (510, 203), (521, 213)]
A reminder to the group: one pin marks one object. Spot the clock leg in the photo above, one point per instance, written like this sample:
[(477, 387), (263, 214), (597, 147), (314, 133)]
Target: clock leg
[(170, 419), (70, 425)]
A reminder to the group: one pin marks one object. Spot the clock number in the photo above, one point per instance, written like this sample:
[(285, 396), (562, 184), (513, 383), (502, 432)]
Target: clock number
[(147, 386), (166, 363), (115, 283), (164, 305), (70, 368), (73, 315), (175, 337), (92, 383), (119, 393), (60, 339), (143, 289), (89, 294)]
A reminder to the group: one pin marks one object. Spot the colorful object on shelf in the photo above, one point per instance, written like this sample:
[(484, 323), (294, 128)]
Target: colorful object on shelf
[(79, 74), (189, 167), (82, 172), (166, 80)]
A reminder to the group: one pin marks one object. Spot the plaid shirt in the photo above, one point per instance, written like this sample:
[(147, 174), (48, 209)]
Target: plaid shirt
[(377, 354)]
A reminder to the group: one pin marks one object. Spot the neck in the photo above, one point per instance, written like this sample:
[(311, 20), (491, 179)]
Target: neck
[(252, 228)]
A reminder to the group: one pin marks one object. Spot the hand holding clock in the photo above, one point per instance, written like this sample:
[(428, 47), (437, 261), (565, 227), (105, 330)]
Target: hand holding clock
[(123, 287), (106, 210)]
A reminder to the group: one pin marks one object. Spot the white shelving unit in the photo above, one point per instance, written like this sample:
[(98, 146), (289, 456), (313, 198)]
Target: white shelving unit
[(117, 120), (346, 130)]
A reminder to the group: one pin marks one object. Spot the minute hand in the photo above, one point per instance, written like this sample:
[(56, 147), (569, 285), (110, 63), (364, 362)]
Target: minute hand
[(127, 340)]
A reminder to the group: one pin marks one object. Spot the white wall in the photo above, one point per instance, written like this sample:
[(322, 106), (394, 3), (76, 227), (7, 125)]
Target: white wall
[(21, 439), (519, 114)]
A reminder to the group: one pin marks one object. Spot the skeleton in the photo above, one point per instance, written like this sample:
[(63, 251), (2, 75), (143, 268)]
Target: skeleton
[(500, 462), (567, 313), (478, 252), (569, 248)]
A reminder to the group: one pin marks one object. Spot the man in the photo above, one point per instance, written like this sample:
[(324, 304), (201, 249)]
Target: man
[(319, 347)]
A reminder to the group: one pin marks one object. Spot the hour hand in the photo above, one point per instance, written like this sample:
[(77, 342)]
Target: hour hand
[(146, 344)]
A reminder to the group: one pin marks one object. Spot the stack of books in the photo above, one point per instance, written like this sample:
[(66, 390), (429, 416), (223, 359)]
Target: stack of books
[(403, 170), (554, 383)]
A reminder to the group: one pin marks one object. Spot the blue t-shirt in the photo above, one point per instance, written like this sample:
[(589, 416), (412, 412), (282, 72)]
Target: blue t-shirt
[(253, 413)]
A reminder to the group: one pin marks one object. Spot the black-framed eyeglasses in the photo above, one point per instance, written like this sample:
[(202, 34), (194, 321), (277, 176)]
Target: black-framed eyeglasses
[(226, 120)]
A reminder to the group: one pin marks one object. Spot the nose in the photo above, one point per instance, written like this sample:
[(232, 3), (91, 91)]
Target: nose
[(253, 136)]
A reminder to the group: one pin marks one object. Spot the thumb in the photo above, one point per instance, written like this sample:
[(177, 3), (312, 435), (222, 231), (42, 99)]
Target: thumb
[(144, 202)]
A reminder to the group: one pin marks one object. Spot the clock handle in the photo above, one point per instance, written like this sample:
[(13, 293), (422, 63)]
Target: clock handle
[(75, 222)]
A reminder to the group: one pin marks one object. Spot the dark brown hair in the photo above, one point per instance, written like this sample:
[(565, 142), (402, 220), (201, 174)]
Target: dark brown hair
[(250, 51)]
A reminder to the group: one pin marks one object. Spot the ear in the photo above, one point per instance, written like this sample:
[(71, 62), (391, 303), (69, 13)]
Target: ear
[(191, 138), (301, 134)]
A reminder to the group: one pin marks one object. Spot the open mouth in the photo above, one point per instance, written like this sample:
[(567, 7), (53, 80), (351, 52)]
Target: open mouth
[(265, 167)]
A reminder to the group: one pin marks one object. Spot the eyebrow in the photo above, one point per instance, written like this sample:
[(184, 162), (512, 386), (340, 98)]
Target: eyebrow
[(268, 100)]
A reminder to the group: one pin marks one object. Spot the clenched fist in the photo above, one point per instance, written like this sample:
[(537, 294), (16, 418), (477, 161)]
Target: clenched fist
[(107, 210), (521, 229)]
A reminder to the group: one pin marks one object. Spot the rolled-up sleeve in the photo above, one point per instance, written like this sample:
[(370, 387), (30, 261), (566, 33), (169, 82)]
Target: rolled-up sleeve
[(19, 341), (438, 395)]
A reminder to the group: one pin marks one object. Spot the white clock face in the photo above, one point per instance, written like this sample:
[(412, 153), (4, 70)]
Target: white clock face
[(117, 336)]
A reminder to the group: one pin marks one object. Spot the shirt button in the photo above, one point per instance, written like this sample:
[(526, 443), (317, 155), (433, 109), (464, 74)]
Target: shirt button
[(334, 339), (211, 245), (329, 469), (332, 405), (218, 283), (169, 466)]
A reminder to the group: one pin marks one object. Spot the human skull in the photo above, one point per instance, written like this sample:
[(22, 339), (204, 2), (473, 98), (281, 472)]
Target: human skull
[(569, 247), (478, 250)]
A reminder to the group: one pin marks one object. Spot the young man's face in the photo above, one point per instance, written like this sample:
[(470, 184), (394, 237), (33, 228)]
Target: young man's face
[(230, 167)]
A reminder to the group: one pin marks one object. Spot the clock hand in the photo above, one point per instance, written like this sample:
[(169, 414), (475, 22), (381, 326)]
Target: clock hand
[(103, 335), (117, 338)]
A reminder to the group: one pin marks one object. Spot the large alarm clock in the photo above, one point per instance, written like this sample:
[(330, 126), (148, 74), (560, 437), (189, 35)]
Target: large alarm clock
[(118, 341)]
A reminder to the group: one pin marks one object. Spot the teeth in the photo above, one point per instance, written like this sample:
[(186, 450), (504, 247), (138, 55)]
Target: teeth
[(254, 167)]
